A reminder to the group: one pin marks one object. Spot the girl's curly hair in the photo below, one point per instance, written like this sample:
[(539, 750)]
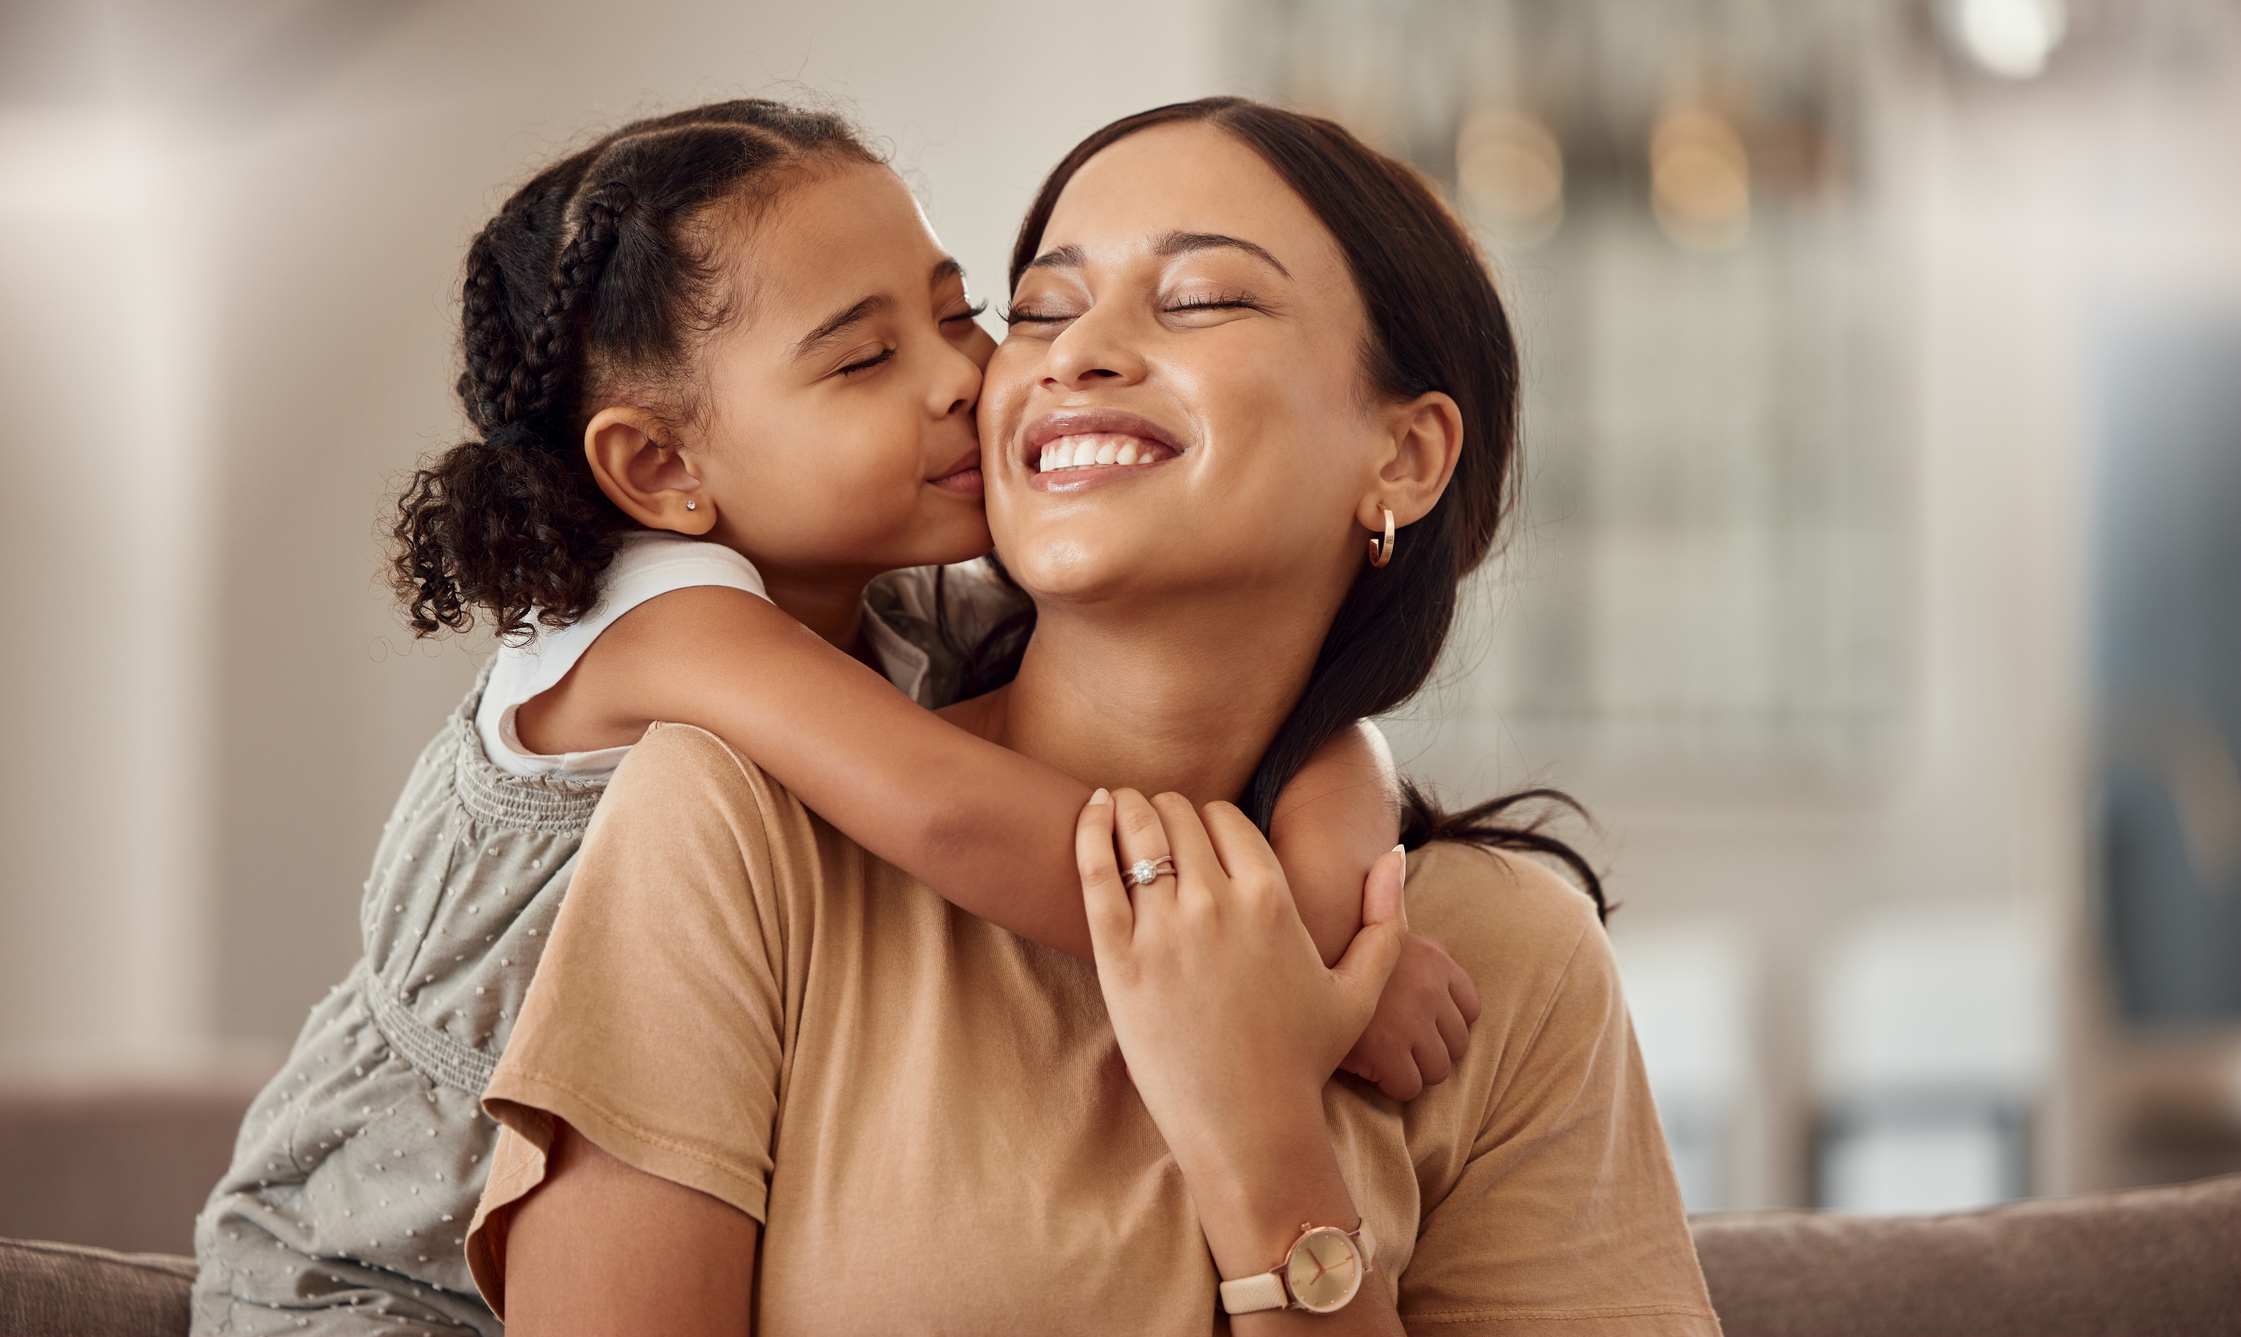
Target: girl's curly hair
[(602, 271)]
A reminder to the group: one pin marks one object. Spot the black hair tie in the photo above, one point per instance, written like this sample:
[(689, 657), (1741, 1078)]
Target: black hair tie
[(514, 436)]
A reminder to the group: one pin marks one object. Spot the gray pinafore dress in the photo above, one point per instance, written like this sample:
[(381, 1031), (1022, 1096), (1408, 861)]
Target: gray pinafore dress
[(358, 1168)]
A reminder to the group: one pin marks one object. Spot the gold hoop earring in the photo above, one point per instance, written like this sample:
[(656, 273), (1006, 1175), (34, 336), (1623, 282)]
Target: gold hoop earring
[(1381, 553)]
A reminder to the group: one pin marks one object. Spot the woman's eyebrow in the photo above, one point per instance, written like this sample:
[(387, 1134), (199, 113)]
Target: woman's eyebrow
[(1065, 257), (1173, 244), (1183, 243)]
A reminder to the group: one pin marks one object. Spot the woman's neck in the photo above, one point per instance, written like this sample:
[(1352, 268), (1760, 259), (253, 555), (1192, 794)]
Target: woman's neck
[(1184, 700)]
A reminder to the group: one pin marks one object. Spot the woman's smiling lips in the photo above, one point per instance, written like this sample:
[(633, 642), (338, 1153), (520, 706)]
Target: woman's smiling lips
[(1069, 449)]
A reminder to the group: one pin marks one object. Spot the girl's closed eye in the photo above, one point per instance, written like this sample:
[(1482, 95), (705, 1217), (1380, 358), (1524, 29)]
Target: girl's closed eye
[(971, 312), (884, 355)]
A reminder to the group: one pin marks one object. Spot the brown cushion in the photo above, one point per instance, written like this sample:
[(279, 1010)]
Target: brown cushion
[(70, 1290), (2137, 1264)]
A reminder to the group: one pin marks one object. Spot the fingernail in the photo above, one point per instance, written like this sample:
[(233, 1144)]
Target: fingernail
[(1400, 849), (1099, 797)]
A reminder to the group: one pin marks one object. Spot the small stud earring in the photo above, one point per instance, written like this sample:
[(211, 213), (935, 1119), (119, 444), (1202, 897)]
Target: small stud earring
[(692, 505)]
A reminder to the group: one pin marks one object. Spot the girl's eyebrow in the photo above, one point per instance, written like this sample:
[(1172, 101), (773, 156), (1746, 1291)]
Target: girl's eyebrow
[(839, 325), (944, 268)]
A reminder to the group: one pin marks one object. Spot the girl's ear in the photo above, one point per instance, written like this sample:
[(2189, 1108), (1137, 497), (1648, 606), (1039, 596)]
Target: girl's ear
[(1422, 439), (654, 484)]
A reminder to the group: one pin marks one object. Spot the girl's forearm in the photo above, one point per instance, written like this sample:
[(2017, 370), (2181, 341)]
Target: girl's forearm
[(989, 830)]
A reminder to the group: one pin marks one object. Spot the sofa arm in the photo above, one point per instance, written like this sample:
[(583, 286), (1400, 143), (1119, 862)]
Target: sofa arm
[(2129, 1264), (47, 1289)]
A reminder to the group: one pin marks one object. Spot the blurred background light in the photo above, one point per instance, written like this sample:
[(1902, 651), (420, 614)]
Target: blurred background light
[(2009, 38), (1700, 179), (1511, 173)]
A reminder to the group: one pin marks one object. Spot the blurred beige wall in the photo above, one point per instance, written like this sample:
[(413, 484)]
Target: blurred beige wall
[(230, 236)]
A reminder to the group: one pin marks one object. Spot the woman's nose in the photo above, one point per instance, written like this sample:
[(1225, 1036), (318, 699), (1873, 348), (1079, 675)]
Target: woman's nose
[(1091, 350)]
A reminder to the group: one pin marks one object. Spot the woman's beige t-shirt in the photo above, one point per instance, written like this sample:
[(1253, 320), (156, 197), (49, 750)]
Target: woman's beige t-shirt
[(931, 1120)]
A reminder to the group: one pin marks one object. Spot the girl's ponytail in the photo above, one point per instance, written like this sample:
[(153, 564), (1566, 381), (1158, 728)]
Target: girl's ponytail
[(507, 525), (593, 278)]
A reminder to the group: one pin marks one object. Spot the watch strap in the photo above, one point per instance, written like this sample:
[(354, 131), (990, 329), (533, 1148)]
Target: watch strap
[(1250, 1295)]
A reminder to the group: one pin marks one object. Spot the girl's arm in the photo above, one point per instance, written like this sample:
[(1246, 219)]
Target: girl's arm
[(989, 829)]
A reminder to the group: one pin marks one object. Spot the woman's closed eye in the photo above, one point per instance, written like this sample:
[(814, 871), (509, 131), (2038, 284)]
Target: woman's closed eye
[(1021, 315), (1240, 301), (1184, 306)]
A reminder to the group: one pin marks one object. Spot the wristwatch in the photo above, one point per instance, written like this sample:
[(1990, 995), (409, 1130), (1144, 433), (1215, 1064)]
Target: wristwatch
[(1321, 1274)]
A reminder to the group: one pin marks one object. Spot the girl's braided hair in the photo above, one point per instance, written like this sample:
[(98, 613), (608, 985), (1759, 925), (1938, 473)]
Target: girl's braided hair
[(602, 273)]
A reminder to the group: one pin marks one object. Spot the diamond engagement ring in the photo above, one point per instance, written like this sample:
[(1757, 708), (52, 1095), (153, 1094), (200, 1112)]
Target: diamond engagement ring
[(1144, 872)]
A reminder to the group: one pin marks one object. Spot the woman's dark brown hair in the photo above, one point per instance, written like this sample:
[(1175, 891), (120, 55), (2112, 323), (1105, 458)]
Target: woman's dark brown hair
[(603, 272), (1435, 323)]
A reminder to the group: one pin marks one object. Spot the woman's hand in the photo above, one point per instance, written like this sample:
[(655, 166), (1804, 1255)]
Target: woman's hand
[(1229, 1020)]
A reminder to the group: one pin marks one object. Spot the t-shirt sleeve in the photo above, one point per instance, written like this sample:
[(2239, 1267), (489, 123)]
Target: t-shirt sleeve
[(655, 1023), (1565, 1217)]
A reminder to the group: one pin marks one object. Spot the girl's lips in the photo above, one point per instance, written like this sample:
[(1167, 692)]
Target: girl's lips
[(965, 482)]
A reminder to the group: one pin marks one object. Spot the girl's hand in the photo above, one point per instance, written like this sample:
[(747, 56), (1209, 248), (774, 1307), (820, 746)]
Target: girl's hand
[(1227, 1017), (1422, 1026)]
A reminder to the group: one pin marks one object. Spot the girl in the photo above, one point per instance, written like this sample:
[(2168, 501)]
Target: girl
[(722, 377)]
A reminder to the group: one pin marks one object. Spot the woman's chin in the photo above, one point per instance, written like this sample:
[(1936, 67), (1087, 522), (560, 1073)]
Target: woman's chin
[(1067, 570)]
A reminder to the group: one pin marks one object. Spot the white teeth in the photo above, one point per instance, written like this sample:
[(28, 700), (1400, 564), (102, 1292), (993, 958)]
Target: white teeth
[(1086, 451)]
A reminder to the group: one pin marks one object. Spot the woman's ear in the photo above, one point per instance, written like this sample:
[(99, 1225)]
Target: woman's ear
[(1423, 439), (654, 484)]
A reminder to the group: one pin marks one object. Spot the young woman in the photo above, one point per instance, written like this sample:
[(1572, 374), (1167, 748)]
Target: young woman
[(700, 1137)]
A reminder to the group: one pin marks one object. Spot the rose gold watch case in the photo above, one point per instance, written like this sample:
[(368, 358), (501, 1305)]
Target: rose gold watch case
[(1323, 1272)]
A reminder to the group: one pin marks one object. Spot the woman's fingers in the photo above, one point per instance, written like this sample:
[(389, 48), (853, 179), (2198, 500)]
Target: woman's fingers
[(1370, 958), (1239, 844), (1197, 869), (1142, 838), (1112, 919)]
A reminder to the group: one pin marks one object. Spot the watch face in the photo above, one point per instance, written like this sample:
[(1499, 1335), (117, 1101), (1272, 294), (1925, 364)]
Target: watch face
[(1324, 1270)]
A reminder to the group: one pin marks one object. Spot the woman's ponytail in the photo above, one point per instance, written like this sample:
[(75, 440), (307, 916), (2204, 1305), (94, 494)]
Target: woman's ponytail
[(591, 278)]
